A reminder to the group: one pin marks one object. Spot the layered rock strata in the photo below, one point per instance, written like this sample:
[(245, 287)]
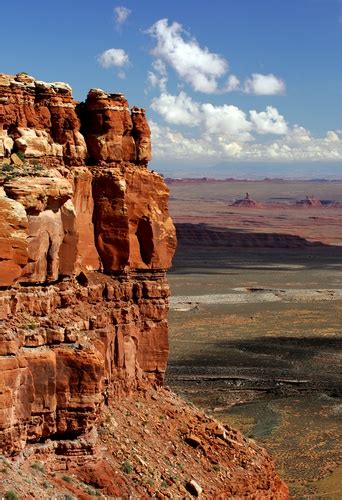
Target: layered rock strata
[(85, 241)]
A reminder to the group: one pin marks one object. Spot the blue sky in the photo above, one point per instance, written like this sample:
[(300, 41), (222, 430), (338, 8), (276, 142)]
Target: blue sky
[(229, 86)]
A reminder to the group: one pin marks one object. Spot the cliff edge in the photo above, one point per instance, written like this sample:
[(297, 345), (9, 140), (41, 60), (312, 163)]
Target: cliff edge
[(85, 241)]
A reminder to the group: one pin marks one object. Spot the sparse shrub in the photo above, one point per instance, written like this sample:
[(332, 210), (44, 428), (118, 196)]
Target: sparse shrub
[(38, 466), (32, 326), (127, 467), (68, 479), (92, 492), (11, 495), (9, 171), (20, 155)]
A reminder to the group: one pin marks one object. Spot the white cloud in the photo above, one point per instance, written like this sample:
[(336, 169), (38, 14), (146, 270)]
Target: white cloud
[(177, 110), (121, 74), (232, 83), (171, 145), (121, 15), (113, 57), (298, 135), (195, 65), (158, 78), (269, 121), (332, 136), (264, 85), (225, 120)]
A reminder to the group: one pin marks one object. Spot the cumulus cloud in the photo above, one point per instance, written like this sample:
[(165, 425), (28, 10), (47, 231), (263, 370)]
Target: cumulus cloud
[(113, 57), (298, 135), (222, 120), (332, 136), (269, 121), (195, 65), (226, 120), (121, 15), (264, 85), (172, 145), (177, 110)]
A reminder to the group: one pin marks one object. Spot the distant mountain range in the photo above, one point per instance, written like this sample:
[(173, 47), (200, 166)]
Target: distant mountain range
[(254, 170)]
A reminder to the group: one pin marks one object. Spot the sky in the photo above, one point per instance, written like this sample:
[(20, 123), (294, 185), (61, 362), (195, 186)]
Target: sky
[(232, 88)]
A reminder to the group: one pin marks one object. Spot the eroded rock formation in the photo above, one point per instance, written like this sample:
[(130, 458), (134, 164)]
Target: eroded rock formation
[(72, 206), (85, 240)]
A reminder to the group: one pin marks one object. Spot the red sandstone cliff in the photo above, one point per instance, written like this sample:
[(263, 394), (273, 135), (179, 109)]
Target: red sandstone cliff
[(85, 240)]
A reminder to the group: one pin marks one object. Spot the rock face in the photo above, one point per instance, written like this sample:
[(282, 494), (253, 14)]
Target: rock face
[(85, 241), (73, 338)]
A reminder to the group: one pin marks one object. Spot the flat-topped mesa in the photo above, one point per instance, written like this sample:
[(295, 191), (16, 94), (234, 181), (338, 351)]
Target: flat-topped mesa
[(112, 132)]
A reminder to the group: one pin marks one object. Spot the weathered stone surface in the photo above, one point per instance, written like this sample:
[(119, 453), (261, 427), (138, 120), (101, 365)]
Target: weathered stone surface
[(39, 119), (37, 194), (143, 235), (88, 257), (142, 135), (13, 240), (75, 348)]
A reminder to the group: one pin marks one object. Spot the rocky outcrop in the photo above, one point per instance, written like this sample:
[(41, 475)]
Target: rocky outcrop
[(112, 132), (85, 241), (309, 202), (247, 202), (39, 119)]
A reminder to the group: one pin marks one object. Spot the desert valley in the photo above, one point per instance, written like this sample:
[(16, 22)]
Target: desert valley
[(255, 322)]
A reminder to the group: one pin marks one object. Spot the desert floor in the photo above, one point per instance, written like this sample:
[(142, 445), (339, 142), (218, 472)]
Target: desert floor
[(255, 333)]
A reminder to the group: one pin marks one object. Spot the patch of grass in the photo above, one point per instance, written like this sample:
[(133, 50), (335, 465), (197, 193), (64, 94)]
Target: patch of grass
[(11, 495), (127, 467)]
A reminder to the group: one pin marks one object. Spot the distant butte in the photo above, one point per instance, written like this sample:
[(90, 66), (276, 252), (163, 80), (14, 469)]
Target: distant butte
[(310, 201), (247, 202)]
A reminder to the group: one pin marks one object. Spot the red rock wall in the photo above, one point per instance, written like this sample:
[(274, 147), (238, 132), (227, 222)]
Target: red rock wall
[(85, 241)]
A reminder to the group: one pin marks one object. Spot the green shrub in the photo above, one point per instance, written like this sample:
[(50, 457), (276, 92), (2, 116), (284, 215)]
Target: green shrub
[(11, 495), (68, 479), (127, 467)]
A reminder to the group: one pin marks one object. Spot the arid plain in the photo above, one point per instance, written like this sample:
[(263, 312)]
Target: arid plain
[(256, 317)]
